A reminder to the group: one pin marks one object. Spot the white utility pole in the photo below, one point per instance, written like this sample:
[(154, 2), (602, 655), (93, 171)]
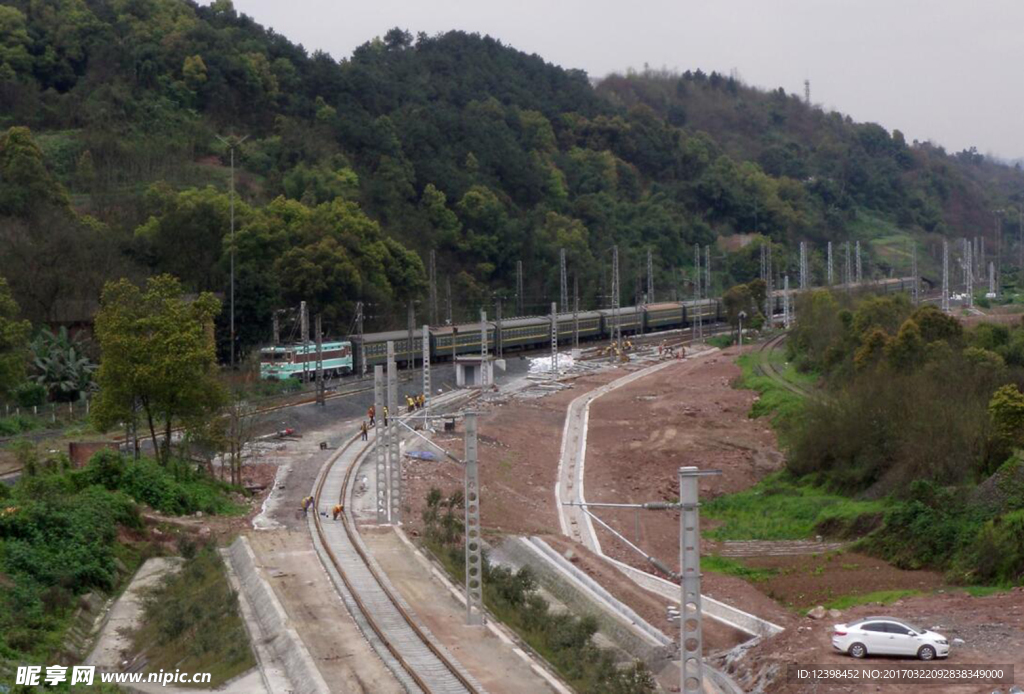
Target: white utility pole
[(231, 142)]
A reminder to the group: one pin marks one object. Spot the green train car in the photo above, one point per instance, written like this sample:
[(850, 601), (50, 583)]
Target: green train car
[(374, 348), (299, 361)]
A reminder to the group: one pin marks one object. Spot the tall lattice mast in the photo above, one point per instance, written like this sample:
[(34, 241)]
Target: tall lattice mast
[(945, 275), (433, 287)]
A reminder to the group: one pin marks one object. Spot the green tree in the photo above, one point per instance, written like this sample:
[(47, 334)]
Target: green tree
[(157, 354), (872, 350), (1006, 409), (26, 184), (186, 234), (194, 72), (14, 40), (906, 351), (736, 300), (14, 335)]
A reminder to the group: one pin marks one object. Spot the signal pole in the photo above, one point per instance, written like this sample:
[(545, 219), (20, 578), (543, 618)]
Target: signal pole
[(425, 346), (860, 277), (410, 350), (913, 271), (433, 287), (519, 288), (803, 265), (696, 323), (707, 271), (321, 390), (498, 343), (564, 305), (650, 276), (575, 313), (617, 332), (304, 329), (359, 332), (474, 568), (554, 340), (830, 263), (448, 292)]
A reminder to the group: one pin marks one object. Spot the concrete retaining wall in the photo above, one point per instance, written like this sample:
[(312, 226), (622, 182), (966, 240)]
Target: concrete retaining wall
[(727, 614), (284, 661), (611, 616)]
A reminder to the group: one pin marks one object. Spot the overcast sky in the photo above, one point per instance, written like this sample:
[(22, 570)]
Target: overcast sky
[(940, 70)]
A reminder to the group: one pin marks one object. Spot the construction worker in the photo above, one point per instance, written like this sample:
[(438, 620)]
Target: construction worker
[(363, 430), (423, 400), (306, 503), (371, 413), (336, 511), (385, 415)]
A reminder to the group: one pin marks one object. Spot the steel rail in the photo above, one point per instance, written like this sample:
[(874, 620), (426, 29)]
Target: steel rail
[(367, 613)]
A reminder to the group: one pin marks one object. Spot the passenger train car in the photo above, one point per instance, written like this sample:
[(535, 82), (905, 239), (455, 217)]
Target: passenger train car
[(298, 361), (534, 332)]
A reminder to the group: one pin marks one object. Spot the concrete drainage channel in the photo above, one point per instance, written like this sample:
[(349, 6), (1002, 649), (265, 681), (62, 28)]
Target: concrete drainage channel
[(284, 663), (578, 526)]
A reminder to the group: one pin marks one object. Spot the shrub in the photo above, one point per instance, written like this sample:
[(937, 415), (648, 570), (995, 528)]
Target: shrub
[(996, 554), (176, 489), (30, 395)]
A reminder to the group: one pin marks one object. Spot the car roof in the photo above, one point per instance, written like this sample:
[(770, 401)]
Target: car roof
[(883, 619)]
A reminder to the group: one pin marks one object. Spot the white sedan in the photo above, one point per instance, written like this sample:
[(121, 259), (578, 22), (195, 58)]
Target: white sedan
[(888, 636)]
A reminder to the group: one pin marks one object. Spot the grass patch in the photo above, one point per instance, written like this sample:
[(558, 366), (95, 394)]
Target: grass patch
[(17, 424), (731, 567), (780, 508), (192, 623), (721, 341), (782, 406), (885, 597), (984, 591)]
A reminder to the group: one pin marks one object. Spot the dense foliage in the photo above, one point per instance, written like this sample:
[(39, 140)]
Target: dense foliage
[(59, 531), (13, 341), (921, 412), (354, 170), (61, 365)]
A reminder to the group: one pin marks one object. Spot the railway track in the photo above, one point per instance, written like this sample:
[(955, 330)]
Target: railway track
[(768, 368), (424, 665)]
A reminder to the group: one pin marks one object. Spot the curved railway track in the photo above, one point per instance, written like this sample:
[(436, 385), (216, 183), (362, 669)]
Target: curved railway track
[(769, 369), (422, 660)]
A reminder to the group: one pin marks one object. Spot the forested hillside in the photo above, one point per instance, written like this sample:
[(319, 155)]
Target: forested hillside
[(353, 171)]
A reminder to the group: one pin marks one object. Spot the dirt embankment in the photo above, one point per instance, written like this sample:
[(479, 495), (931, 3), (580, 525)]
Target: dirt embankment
[(519, 445)]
